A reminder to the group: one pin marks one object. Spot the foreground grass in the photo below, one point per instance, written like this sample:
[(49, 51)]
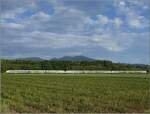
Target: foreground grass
[(75, 93)]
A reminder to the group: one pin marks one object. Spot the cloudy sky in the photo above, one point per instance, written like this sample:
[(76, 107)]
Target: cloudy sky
[(117, 30)]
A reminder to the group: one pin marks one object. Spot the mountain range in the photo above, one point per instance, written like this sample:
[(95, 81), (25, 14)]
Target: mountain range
[(30, 59), (74, 58), (64, 58), (71, 58)]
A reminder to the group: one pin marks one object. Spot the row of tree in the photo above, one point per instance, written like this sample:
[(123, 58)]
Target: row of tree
[(67, 65)]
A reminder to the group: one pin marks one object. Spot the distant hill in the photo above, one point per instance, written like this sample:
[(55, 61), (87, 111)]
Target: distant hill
[(142, 66), (31, 59), (65, 58), (73, 58)]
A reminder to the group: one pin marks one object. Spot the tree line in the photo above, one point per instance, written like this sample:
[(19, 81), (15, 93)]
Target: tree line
[(67, 65)]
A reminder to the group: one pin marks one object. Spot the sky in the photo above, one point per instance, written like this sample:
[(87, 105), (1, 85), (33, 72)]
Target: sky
[(116, 30)]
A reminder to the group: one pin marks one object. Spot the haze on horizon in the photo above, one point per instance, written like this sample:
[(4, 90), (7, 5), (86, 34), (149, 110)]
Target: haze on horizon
[(116, 30)]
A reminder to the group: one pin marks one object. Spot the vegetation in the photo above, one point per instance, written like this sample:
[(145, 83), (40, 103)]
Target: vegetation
[(67, 65), (75, 93)]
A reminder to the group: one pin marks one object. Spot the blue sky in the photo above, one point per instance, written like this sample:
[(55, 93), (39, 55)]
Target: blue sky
[(117, 30)]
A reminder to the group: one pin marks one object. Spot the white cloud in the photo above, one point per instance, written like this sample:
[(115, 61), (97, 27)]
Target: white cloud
[(132, 11), (38, 39), (136, 21), (122, 3), (40, 16), (10, 9), (141, 3), (107, 43), (118, 22), (103, 19), (51, 40), (11, 26), (11, 14)]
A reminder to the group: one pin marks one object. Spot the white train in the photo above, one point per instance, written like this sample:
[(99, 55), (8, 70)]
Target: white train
[(73, 71)]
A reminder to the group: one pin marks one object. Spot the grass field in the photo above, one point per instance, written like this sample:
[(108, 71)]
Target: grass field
[(75, 93)]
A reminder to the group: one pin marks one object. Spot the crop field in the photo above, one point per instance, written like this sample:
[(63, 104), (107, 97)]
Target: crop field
[(80, 93)]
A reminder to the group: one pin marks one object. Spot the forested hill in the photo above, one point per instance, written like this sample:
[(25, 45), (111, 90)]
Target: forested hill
[(67, 65)]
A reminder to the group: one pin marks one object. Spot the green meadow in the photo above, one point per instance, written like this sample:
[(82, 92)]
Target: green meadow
[(79, 93)]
